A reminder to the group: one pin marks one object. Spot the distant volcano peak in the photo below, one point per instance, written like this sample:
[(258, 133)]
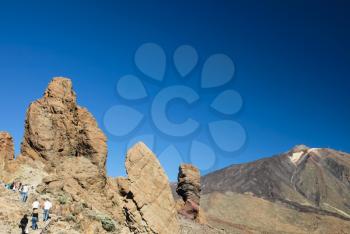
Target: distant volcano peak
[(299, 148)]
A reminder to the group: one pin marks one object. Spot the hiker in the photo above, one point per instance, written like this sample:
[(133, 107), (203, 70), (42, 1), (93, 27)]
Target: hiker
[(23, 224), (14, 187), (24, 193), (35, 204), (35, 219), (47, 207), (19, 186)]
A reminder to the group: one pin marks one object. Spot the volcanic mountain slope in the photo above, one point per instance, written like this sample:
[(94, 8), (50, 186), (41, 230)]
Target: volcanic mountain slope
[(295, 187)]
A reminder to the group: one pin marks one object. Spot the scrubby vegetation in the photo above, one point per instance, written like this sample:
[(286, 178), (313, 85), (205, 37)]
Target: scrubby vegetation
[(62, 199), (108, 224)]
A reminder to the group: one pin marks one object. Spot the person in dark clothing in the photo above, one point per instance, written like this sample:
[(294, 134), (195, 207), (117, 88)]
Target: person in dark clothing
[(35, 219), (23, 224)]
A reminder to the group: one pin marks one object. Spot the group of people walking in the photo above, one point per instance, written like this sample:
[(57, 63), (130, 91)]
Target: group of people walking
[(17, 186), (46, 206)]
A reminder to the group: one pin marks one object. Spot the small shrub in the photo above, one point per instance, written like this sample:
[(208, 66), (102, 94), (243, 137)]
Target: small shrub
[(70, 218), (108, 224), (62, 199)]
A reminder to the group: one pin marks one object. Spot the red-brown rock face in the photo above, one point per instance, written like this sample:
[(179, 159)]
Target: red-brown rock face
[(189, 189)]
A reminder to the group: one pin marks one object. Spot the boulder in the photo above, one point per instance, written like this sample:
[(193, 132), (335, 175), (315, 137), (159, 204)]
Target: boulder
[(149, 204)]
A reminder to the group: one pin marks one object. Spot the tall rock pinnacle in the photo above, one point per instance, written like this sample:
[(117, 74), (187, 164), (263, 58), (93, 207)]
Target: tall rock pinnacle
[(56, 129), (189, 188)]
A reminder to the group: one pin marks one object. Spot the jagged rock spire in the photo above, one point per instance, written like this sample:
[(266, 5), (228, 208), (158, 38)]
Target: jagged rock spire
[(56, 128), (62, 89)]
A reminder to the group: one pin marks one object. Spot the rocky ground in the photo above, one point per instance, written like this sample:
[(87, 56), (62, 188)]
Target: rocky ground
[(12, 210)]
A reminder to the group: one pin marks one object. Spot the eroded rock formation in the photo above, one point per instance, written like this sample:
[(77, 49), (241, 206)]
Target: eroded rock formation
[(6, 150), (149, 205), (189, 189), (63, 157), (65, 136)]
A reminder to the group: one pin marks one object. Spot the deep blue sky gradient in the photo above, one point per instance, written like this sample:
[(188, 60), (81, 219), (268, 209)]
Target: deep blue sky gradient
[(292, 60)]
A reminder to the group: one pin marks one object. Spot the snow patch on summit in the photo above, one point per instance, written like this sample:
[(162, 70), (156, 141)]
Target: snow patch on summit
[(295, 157)]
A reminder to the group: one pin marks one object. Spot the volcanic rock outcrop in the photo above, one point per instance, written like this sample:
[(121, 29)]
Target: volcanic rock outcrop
[(189, 188), (65, 137), (63, 157), (6, 150), (149, 205)]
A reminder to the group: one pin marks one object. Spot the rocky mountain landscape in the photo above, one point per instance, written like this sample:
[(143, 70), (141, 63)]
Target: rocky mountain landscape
[(63, 158)]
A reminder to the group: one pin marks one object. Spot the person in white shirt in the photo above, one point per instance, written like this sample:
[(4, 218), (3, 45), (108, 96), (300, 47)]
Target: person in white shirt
[(47, 207), (24, 193), (35, 204)]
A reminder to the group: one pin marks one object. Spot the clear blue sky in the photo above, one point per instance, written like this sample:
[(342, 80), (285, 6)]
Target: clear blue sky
[(292, 62)]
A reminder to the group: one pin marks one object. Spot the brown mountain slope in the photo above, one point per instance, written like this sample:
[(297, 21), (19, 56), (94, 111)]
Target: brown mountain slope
[(302, 183)]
